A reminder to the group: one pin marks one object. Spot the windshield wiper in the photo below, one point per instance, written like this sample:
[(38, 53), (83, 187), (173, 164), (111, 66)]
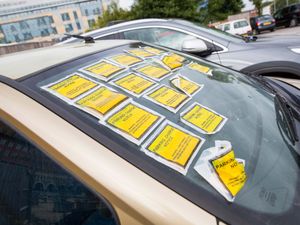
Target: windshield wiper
[(289, 116), (285, 107), (87, 39)]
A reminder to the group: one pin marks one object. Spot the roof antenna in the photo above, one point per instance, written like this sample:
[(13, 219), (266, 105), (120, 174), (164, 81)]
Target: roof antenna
[(215, 48), (87, 39)]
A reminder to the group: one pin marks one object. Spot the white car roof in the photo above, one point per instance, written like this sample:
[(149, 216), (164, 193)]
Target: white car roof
[(20, 64)]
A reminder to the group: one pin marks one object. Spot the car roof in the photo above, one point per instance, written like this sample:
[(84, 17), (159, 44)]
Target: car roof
[(20, 64)]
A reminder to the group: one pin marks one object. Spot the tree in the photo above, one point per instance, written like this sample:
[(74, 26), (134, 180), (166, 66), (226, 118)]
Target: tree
[(258, 5), (113, 13), (185, 9), (218, 10)]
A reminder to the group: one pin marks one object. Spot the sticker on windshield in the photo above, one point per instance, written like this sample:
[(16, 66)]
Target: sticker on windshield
[(185, 85), (173, 61), (101, 101), (70, 87), (140, 53), (103, 70), (168, 98), (173, 146), (222, 170), (203, 119), (200, 68), (134, 122), (126, 59), (134, 84), (153, 71), (154, 50)]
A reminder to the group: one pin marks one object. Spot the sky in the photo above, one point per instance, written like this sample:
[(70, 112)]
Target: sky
[(125, 4)]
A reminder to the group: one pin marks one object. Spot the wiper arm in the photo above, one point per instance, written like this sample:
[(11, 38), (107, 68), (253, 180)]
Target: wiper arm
[(288, 115), (87, 39), (283, 104)]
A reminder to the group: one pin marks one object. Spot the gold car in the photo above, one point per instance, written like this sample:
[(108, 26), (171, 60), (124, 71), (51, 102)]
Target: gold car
[(121, 132)]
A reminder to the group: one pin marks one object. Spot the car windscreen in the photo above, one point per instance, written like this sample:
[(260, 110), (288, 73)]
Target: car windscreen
[(213, 135), (265, 17)]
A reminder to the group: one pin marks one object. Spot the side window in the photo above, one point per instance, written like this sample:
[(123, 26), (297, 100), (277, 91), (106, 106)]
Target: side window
[(236, 25), (161, 36), (35, 190), (226, 27), (108, 37)]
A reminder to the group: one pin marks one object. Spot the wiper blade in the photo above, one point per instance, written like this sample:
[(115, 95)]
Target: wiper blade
[(87, 39), (289, 116)]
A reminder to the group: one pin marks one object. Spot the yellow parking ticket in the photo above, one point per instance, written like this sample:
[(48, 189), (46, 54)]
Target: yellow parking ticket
[(72, 86), (103, 70), (126, 59), (172, 62), (200, 68), (184, 84), (167, 97), (153, 71), (203, 119), (140, 53), (134, 84), (173, 146), (101, 101), (154, 50), (231, 173), (134, 122)]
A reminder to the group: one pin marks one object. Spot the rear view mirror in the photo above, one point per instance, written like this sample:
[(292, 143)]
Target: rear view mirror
[(194, 46)]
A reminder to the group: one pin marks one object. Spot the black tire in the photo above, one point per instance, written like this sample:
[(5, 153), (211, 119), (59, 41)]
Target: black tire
[(293, 22), (272, 30)]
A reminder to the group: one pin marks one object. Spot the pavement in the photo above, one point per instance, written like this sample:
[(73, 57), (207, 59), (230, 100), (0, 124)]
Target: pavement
[(282, 32)]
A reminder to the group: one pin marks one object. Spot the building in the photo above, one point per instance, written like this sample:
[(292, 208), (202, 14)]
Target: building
[(46, 20)]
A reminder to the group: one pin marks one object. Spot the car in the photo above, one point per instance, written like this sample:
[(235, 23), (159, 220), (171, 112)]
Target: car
[(288, 16), (262, 23), (264, 57), (123, 132), (236, 27)]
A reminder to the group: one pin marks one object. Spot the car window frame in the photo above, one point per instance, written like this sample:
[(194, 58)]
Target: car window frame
[(225, 49)]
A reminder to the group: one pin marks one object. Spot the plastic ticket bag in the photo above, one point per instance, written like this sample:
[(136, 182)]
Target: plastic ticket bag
[(219, 167)]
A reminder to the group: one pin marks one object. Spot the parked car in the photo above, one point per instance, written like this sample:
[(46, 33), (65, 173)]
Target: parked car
[(261, 57), (288, 16), (237, 27), (120, 132), (262, 23)]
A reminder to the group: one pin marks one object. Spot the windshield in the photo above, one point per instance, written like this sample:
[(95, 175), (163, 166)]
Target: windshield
[(265, 17), (212, 31), (144, 104)]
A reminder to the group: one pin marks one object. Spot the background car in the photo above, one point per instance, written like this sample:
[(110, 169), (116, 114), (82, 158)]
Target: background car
[(288, 16), (262, 23), (236, 27), (64, 163), (265, 56)]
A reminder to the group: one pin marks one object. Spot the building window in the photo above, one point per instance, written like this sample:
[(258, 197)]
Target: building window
[(69, 28), (35, 189), (91, 23), (54, 31), (17, 39), (65, 16), (97, 11), (24, 25), (27, 36), (75, 15), (45, 33), (51, 19), (86, 12), (78, 25)]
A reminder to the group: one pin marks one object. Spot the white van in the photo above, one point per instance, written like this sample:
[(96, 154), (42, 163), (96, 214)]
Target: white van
[(238, 27)]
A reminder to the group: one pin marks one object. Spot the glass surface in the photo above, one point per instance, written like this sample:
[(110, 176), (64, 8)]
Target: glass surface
[(256, 128), (36, 191)]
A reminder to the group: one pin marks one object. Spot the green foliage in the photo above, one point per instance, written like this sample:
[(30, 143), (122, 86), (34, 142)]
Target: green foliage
[(185, 9), (113, 13), (218, 10), (258, 5)]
